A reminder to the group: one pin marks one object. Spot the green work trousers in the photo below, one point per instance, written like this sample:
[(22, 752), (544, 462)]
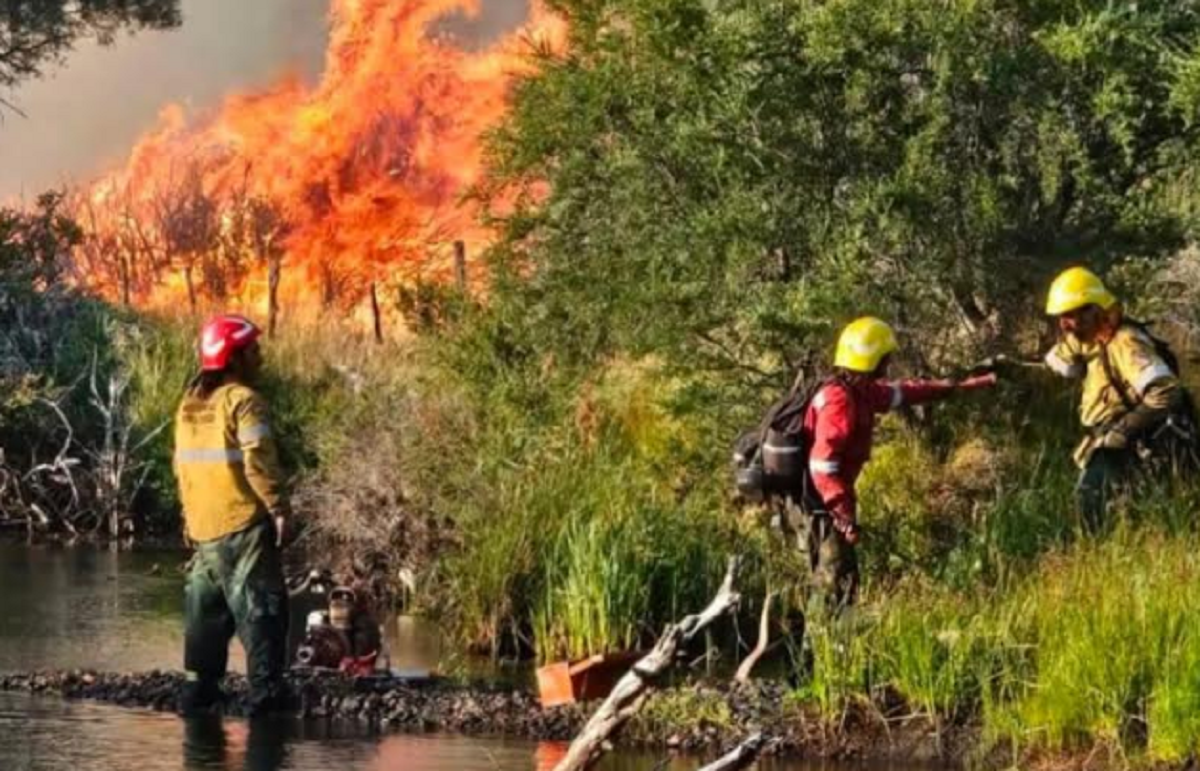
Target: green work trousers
[(1098, 479), (236, 585), (834, 564), (1108, 471), (832, 561)]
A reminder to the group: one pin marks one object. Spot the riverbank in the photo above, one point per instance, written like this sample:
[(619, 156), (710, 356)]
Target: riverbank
[(699, 718)]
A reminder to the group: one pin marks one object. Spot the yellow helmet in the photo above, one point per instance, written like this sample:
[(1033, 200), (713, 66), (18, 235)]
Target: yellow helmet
[(1075, 288), (863, 345)]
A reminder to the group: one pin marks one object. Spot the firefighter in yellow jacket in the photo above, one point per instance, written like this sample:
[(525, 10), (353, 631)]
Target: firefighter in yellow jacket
[(1133, 407), (236, 515)]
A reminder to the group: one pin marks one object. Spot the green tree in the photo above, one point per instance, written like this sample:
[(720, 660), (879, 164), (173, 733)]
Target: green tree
[(35, 246), (723, 182), (34, 33)]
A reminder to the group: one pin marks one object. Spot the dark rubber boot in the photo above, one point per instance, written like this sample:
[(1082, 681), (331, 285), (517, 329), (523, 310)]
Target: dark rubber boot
[(199, 698), (268, 699)]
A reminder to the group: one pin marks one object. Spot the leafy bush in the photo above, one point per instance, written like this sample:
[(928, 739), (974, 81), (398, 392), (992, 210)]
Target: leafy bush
[(69, 366)]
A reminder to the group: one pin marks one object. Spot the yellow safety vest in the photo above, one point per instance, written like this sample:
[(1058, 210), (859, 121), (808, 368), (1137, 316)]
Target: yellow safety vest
[(1133, 360), (226, 462)]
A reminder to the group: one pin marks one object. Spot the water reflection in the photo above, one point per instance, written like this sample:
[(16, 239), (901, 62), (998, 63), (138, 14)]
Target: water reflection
[(279, 744), (67, 608), (49, 734), (260, 745), (64, 608)]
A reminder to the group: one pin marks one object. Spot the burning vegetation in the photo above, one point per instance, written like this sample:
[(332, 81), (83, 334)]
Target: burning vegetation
[(354, 183)]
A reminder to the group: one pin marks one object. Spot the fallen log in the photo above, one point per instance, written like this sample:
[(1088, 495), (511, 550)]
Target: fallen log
[(632, 689), (741, 756)]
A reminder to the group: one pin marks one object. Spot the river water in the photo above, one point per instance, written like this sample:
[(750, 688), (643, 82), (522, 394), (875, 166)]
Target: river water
[(119, 611)]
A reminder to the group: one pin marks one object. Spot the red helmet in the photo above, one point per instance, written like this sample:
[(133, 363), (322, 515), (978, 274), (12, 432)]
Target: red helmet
[(221, 336)]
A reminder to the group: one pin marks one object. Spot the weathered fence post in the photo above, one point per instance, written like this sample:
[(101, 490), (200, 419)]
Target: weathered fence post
[(274, 269), (376, 316), (460, 265)]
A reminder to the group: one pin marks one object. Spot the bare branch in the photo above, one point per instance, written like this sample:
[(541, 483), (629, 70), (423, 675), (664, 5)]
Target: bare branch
[(764, 637), (741, 756), (632, 689)]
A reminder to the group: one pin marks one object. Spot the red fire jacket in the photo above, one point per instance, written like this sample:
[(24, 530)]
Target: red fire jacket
[(839, 426)]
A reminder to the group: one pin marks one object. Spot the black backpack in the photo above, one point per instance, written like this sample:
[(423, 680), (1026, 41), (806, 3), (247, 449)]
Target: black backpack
[(772, 459)]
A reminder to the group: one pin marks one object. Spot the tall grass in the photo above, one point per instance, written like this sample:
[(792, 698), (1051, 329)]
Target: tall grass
[(576, 539), (1113, 628), (1101, 643), (840, 661), (609, 582), (571, 527), (579, 551), (932, 658)]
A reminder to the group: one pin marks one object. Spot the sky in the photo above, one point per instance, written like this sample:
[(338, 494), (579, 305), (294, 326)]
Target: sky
[(86, 114)]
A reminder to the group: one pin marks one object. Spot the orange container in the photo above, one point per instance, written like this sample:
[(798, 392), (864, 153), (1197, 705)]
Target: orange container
[(566, 682)]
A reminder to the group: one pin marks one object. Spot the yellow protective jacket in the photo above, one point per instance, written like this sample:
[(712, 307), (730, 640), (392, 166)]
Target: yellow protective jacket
[(1147, 380), (226, 462)]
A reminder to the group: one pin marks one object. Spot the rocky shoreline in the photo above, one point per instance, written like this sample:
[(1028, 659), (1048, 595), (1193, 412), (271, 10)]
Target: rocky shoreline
[(685, 718)]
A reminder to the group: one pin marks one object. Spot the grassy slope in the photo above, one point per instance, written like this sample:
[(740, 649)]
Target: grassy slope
[(588, 529)]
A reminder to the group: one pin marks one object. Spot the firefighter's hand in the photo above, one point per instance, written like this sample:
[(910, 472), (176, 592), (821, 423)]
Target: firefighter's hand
[(847, 527), (989, 366), (1004, 366), (1113, 439)]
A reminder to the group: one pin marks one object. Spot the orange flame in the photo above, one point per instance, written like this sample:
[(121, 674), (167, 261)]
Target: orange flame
[(355, 181)]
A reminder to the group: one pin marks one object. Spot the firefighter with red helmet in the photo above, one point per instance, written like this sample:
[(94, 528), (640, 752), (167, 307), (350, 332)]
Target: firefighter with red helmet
[(235, 514), (839, 430)]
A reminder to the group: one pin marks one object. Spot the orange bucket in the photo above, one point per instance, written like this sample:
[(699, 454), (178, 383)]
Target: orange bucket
[(584, 680)]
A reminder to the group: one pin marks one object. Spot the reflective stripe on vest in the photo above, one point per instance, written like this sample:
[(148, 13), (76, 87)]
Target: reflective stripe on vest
[(209, 455), (826, 467), (254, 433), (1149, 375), (1063, 368)]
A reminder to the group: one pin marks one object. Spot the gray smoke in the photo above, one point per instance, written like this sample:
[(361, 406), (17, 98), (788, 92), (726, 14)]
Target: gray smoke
[(494, 19), (86, 114)]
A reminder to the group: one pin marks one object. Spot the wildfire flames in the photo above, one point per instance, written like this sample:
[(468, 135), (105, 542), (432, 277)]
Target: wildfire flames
[(354, 182)]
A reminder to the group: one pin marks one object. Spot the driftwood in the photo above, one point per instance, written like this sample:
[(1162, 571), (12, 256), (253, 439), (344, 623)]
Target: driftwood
[(741, 756), (764, 637), (632, 689)]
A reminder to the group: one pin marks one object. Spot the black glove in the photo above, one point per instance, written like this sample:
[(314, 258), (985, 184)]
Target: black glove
[(999, 365), (1112, 439), (1139, 423)]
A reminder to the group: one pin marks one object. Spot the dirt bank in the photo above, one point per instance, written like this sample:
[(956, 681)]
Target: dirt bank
[(684, 718)]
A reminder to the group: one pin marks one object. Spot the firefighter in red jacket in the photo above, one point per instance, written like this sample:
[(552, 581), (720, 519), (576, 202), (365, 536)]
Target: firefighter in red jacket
[(839, 428)]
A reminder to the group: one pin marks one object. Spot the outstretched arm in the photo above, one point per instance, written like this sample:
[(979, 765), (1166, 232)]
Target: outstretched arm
[(887, 396)]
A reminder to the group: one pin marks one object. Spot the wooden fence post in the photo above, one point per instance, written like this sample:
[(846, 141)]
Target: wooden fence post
[(376, 317), (460, 265)]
